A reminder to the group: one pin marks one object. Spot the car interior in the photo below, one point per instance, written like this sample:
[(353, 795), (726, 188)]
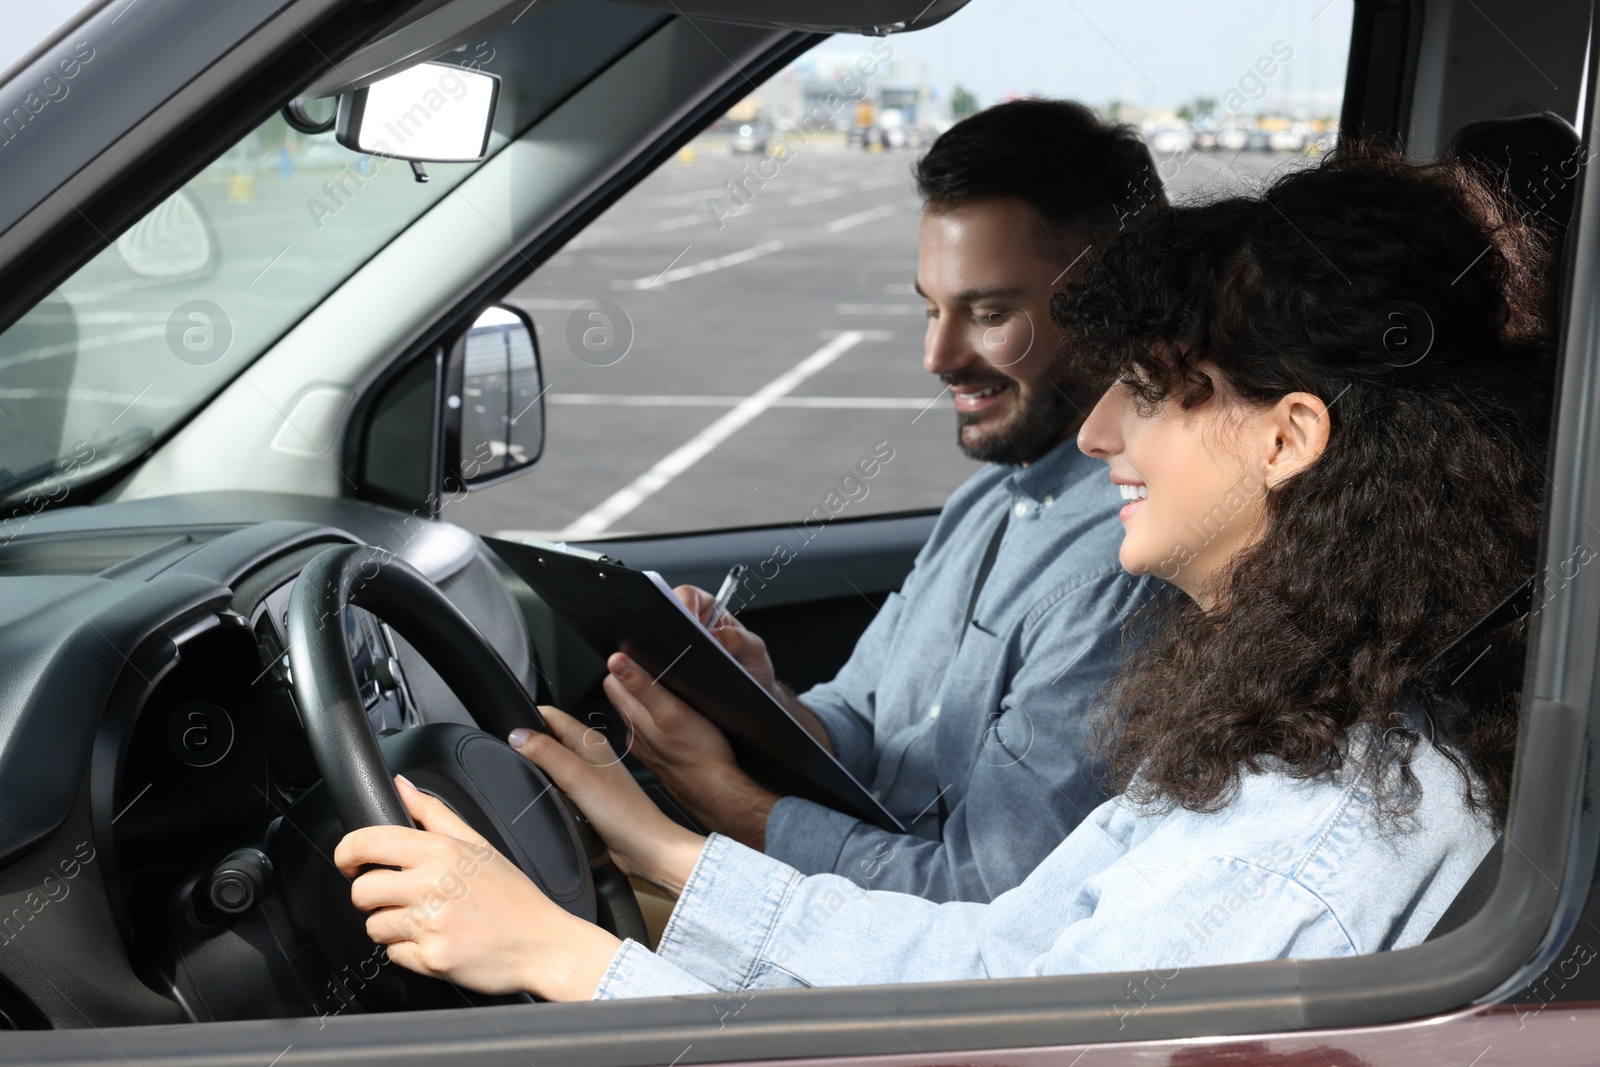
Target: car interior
[(171, 790)]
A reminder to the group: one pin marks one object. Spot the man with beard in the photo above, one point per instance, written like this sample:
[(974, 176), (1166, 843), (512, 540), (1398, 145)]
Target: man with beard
[(966, 705)]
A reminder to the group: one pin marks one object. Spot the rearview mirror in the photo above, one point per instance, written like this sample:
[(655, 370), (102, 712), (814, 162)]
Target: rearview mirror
[(431, 113), (494, 400)]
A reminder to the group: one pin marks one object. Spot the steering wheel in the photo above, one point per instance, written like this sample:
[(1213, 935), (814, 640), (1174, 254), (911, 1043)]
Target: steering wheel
[(487, 783)]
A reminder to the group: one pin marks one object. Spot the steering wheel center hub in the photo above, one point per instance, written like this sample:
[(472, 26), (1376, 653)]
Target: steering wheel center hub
[(505, 798)]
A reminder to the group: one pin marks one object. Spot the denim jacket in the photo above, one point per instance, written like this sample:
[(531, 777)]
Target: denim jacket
[(1289, 868), (978, 737)]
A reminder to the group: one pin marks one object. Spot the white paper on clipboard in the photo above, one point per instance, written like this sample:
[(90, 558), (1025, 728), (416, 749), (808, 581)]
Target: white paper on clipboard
[(666, 591)]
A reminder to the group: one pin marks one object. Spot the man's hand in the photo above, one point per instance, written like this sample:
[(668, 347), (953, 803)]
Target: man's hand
[(743, 645), (689, 755), (454, 908), (751, 651), (580, 761)]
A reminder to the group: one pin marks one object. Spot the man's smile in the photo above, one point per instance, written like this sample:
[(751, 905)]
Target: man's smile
[(979, 396)]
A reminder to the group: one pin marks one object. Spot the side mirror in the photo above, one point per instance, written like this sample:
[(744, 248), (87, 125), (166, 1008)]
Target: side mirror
[(432, 112), (493, 417)]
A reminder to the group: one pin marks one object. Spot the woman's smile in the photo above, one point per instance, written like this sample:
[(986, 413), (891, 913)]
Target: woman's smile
[(1135, 493)]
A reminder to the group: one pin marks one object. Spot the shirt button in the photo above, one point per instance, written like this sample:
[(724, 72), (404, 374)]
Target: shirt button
[(933, 712), (1049, 501), (1022, 509), (877, 794)]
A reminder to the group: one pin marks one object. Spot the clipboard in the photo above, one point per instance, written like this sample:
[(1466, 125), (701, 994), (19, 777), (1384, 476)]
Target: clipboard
[(618, 609)]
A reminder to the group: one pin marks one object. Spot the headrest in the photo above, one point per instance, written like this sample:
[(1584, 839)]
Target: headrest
[(1540, 157)]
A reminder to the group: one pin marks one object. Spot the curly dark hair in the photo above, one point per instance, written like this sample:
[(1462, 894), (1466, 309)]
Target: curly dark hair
[(1410, 299)]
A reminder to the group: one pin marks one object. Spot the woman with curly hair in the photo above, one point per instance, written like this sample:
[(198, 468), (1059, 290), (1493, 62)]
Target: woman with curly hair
[(1326, 405)]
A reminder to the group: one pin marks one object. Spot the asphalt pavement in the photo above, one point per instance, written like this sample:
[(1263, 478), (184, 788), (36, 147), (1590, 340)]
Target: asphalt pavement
[(716, 360)]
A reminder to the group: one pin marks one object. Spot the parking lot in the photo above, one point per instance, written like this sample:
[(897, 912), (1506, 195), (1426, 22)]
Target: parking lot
[(710, 367)]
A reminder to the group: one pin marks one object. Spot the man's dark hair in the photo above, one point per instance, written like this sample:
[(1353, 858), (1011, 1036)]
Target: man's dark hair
[(1084, 176)]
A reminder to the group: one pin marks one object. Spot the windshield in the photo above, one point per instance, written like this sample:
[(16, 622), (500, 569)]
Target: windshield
[(145, 333), (189, 296)]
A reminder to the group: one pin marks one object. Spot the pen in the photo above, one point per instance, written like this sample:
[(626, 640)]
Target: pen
[(730, 585)]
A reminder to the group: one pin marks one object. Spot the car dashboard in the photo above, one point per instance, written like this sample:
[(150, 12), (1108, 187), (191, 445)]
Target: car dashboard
[(150, 743)]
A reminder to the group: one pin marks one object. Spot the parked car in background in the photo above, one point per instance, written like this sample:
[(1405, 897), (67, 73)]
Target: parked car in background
[(1170, 139), (1289, 140), (1233, 139), (749, 138)]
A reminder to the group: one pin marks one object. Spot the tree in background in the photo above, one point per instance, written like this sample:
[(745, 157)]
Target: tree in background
[(1199, 107), (962, 102)]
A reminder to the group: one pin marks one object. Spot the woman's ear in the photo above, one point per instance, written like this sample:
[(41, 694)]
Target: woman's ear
[(1296, 434)]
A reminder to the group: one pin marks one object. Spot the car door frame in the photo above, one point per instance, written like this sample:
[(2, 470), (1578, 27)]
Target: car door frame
[(1549, 868)]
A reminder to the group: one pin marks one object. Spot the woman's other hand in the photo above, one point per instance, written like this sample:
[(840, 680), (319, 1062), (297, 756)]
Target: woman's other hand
[(583, 765), (454, 908)]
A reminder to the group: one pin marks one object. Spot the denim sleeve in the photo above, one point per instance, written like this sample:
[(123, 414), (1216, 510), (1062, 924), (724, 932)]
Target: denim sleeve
[(1087, 914), (1147, 914), (724, 918), (746, 921), (1032, 780), (635, 971), (712, 939)]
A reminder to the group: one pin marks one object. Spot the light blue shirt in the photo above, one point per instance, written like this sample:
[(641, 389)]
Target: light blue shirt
[(1290, 868), (991, 730)]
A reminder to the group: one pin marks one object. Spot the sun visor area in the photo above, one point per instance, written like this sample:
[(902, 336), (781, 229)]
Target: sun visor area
[(875, 18), (432, 29)]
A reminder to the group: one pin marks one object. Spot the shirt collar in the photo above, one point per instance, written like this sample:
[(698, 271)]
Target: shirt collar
[(1051, 474)]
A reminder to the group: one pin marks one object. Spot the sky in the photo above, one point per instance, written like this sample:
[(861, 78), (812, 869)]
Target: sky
[(27, 22), (1156, 53)]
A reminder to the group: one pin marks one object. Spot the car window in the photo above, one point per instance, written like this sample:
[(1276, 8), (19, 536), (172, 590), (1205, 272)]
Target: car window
[(736, 340), (145, 333)]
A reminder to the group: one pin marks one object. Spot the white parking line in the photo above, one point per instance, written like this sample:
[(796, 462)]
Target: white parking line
[(883, 181), (591, 237), (815, 197), (686, 198), (732, 259), (74, 348), (680, 222), (852, 221), (91, 396), (652, 481), (528, 304), (878, 309), (658, 400)]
